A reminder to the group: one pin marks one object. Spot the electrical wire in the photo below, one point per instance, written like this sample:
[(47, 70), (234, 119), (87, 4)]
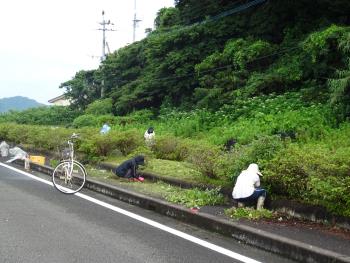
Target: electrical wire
[(229, 12), (285, 50)]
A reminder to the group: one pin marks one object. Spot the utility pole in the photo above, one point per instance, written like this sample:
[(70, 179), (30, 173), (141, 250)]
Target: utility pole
[(104, 23), (135, 21)]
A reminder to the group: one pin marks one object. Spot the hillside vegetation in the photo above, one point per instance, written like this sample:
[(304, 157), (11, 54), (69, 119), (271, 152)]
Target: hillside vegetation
[(275, 77)]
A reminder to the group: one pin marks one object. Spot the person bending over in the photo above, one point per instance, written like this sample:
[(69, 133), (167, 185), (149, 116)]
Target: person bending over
[(247, 189), (128, 169)]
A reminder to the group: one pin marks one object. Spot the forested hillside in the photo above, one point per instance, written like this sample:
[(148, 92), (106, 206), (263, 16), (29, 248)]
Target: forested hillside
[(212, 53)]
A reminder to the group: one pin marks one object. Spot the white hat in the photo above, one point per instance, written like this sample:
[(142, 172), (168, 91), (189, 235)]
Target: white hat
[(253, 167)]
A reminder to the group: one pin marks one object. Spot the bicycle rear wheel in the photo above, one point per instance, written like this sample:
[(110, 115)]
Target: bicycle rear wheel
[(68, 179)]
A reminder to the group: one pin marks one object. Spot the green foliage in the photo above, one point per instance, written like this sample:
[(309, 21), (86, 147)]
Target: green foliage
[(100, 107), (204, 157), (196, 197), (140, 116), (340, 86), (332, 192), (82, 89), (101, 145), (92, 120), (260, 151), (54, 115), (85, 120), (241, 52), (42, 137), (245, 77), (218, 61), (249, 213), (315, 172), (167, 17), (170, 148), (319, 44)]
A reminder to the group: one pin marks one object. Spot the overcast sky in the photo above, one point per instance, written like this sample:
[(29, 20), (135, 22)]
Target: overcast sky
[(45, 42)]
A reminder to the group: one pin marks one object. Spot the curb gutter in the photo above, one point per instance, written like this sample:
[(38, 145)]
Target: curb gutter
[(286, 247)]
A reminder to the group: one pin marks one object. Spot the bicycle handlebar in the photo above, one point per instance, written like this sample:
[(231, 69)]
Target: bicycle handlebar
[(74, 136)]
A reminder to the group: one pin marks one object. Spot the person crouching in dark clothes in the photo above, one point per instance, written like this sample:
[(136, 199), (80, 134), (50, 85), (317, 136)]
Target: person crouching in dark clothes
[(128, 169), (230, 144)]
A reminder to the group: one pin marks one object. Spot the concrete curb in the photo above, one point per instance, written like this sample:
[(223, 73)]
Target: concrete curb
[(289, 248)]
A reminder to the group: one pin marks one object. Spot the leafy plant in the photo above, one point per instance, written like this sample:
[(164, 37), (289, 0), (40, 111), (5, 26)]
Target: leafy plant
[(85, 120), (100, 107), (249, 213), (196, 198)]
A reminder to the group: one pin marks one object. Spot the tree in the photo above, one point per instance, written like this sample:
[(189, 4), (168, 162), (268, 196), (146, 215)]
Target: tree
[(167, 17), (82, 89)]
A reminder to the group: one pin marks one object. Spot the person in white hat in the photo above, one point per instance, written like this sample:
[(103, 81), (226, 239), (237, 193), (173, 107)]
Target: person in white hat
[(150, 137), (247, 188)]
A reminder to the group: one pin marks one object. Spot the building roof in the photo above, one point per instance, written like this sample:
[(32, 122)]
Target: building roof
[(61, 97)]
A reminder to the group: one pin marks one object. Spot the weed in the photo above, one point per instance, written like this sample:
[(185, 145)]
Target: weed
[(249, 213)]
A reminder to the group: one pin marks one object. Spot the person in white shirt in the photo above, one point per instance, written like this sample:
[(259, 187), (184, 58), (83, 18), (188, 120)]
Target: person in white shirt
[(149, 137), (247, 188)]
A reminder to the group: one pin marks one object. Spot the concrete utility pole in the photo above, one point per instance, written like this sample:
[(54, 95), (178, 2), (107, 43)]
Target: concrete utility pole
[(135, 21), (104, 23)]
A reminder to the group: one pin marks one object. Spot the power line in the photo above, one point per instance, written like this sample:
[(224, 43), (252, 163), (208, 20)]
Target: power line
[(229, 12), (199, 9), (229, 66), (235, 10)]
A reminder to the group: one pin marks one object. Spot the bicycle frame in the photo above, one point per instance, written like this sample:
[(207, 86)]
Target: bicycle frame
[(71, 158), (68, 170)]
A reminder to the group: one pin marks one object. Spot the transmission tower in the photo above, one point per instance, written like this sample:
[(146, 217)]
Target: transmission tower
[(135, 21)]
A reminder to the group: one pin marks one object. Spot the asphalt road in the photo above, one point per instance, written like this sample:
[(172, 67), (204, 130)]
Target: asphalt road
[(40, 224)]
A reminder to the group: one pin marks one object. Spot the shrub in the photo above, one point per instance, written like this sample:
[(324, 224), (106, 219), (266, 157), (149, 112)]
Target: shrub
[(170, 148), (110, 119), (316, 172), (204, 157), (85, 120), (258, 151), (17, 133), (100, 107), (101, 145), (331, 192), (319, 44), (137, 117), (54, 115), (48, 138)]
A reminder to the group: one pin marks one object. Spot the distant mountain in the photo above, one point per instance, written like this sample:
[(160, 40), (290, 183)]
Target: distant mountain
[(17, 103)]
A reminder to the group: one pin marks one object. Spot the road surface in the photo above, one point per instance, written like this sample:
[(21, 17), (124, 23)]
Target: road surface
[(40, 224)]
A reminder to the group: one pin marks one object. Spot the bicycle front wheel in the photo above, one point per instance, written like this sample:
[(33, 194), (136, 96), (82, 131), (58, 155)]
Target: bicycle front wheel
[(69, 179)]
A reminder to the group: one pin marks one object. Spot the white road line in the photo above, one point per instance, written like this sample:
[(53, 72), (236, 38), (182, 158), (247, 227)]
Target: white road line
[(155, 224)]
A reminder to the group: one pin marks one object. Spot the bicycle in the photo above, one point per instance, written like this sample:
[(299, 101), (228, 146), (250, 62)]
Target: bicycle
[(69, 175)]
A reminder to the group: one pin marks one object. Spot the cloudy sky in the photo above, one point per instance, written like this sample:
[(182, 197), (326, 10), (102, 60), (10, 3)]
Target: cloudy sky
[(45, 42)]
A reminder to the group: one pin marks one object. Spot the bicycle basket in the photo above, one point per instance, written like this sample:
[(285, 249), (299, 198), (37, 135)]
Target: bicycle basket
[(65, 153)]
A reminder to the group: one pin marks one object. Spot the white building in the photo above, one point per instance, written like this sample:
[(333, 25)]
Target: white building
[(60, 101)]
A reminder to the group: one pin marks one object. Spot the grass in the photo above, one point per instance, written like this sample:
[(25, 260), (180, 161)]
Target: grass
[(249, 213), (187, 197), (172, 169)]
